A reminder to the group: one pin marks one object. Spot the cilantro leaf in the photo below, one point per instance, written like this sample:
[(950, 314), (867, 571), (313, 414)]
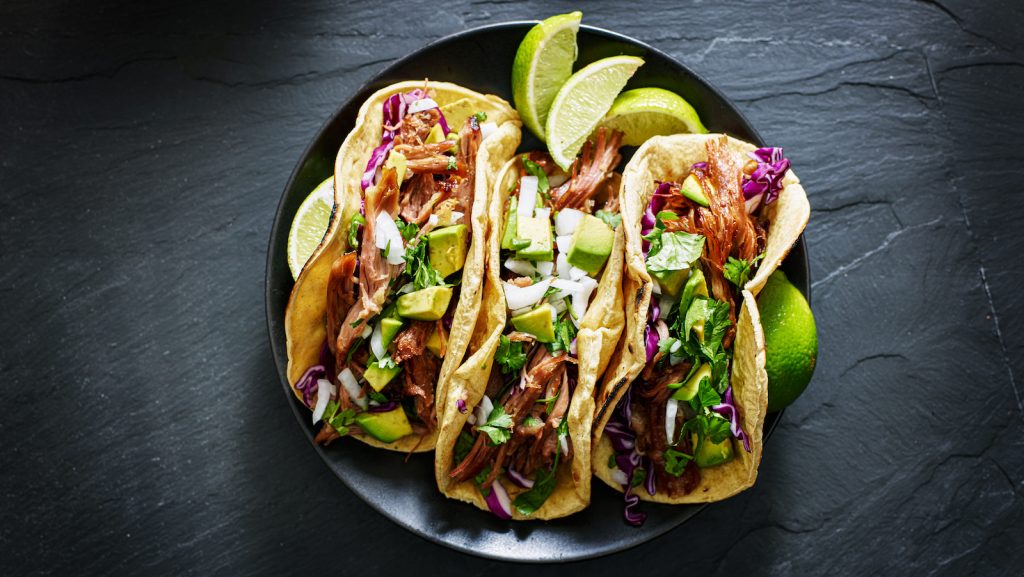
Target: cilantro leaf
[(453, 163), (480, 478), (676, 250), (463, 445), (675, 462), (342, 420), (417, 265), (528, 502), (480, 116), (535, 170), (707, 396), (353, 230), (738, 271), (498, 426), (612, 219), (715, 427), (378, 397), (510, 355), (408, 231), (639, 474), (565, 332)]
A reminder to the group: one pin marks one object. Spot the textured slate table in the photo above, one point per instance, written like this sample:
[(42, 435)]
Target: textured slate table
[(144, 146)]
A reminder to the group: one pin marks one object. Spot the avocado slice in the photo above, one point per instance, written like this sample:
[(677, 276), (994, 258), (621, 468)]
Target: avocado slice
[(433, 343), (397, 161), (427, 304), (671, 281), (538, 232), (448, 248), (537, 322), (689, 389), (692, 190), (510, 225), (695, 287), (388, 330), (591, 244), (378, 377), (709, 454), (436, 135), (387, 427)]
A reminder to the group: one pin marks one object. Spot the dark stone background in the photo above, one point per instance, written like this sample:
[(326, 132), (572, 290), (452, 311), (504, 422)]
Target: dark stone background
[(144, 147)]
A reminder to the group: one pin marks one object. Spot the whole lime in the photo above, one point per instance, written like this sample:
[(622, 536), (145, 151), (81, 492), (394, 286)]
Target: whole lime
[(791, 340)]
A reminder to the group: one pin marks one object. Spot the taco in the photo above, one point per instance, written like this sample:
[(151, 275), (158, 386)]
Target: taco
[(518, 412), (707, 218), (384, 306)]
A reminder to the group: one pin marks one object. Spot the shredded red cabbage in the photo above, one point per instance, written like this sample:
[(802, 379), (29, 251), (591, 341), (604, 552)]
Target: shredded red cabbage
[(498, 501), (649, 480), (728, 410), (394, 109), (461, 404), (308, 384), (327, 358), (651, 340), (767, 177), (519, 479), (657, 203), (627, 459)]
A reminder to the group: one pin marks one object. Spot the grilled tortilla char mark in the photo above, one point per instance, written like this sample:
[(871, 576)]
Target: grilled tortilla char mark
[(593, 167)]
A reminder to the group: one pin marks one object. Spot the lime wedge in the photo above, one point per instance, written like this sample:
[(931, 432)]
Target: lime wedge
[(309, 225), (582, 102), (645, 112), (542, 65)]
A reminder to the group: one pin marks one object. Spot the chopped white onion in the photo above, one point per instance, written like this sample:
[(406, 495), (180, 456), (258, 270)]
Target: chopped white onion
[(457, 216), (564, 242), (488, 128), (662, 329), (348, 380), (545, 267), (577, 273), (544, 213), (563, 441), (324, 390), (432, 220), (619, 476), (655, 286), (554, 315), (483, 409), (527, 197), (567, 220), (563, 266), (471, 419), (386, 235), (520, 267), (676, 346), (521, 311), (674, 360), (581, 300), (377, 343), (665, 303), (406, 288), (421, 105), (520, 297), (566, 288), (671, 409), (559, 305), (753, 203)]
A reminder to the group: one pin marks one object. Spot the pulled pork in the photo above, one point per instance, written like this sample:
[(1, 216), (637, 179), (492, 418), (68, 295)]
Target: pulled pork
[(593, 167)]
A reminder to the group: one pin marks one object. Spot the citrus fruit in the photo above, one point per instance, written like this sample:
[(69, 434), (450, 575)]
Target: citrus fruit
[(791, 340), (309, 225), (645, 112), (542, 64)]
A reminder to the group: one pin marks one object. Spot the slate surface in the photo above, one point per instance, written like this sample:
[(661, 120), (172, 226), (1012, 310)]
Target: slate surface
[(143, 149)]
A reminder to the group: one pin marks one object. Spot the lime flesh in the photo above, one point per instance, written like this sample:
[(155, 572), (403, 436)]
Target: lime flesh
[(542, 64), (309, 225), (582, 102), (645, 112), (791, 340)]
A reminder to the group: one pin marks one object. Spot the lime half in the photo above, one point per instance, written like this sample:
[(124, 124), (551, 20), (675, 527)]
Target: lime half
[(309, 225), (582, 102), (645, 112), (790, 340), (542, 65)]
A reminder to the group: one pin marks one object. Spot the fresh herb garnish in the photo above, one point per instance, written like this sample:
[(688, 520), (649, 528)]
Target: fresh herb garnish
[(480, 116), (565, 332), (463, 445), (408, 231), (356, 323), (675, 251), (453, 163), (378, 397), (510, 355), (417, 265), (612, 219), (520, 243), (387, 363), (353, 230), (738, 271), (535, 170), (528, 502), (498, 426), (675, 462), (341, 421), (480, 478), (639, 474)]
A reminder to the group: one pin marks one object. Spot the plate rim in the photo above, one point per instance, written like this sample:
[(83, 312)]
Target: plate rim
[(279, 350)]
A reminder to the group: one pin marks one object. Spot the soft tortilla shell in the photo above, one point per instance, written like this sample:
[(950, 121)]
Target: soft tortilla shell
[(305, 317), (598, 335)]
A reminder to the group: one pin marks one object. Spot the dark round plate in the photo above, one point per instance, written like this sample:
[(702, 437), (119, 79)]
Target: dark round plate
[(481, 59)]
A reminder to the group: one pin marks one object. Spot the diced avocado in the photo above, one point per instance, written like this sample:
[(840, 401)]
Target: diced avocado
[(378, 377), (537, 322), (427, 304), (692, 190), (387, 427), (538, 232), (689, 389), (448, 248), (433, 343), (436, 135), (709, 454), (510, 225), (591, 244), (695, 287), (397, 161), (671, 281), (388, 329)]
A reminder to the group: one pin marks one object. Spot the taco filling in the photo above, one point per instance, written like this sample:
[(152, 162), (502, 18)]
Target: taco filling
[(703, 240), (517, 436), (391, 297)]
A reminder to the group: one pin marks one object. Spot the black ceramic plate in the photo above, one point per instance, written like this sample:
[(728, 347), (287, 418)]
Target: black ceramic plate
[(481, 59)]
